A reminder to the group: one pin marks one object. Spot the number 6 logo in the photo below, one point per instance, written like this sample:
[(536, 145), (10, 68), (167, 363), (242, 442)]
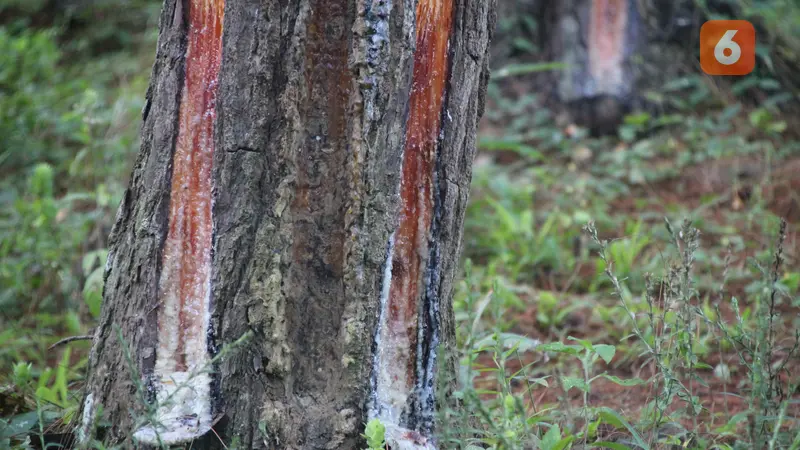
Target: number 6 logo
[(727, 43), (727, 47)]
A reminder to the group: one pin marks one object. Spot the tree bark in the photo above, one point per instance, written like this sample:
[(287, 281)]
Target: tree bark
[(313, 172)]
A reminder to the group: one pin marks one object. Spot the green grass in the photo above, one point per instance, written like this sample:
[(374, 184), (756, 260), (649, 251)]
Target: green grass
[(699, 326), (697, 322)]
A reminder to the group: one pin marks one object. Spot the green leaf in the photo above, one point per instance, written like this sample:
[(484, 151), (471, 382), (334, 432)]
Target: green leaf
[(738, 418), (606, 352), (584, 343), (41, 181), (621, 382), (375, 433), (533, 420), (510, 145), (19, 424), (591, 429), (613, 418), (47, 394), (563, 443), (93, 291), (558, 347), (574, 382), (539, 380), (508, 341), (637, 119), (611, 445), (551, 439), (627, 133), (22, 374), (523, 69), (61, 378), (87, 263)]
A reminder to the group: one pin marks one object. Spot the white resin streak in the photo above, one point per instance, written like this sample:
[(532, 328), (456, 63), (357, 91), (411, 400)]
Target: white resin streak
[(87, 420), (183, 397), (398, 438), (183, 410), (385, 405)]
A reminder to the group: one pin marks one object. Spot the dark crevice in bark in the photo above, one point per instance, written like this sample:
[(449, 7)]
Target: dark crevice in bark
[(246, 149)]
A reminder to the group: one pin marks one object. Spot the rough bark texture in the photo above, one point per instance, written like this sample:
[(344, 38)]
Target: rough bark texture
[(136, 240), (311, 116)]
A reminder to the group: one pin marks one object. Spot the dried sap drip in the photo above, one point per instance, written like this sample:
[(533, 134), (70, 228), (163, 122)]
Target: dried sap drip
[(397, 365), (184, 288), (607, 30)]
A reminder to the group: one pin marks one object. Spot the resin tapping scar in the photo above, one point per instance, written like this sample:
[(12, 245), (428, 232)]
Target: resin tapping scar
[(180, 376), (397, 360)]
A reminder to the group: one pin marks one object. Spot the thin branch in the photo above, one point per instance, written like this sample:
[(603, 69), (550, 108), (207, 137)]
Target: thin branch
[(67, 340)]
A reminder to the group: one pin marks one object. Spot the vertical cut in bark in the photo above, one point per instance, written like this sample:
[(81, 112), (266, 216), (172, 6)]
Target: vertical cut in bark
[(597, 40), (399, 365), (181, 384), (607, 27)]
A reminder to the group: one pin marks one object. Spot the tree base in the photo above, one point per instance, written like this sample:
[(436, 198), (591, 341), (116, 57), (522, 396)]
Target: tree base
[(399, 438), (183, 410)]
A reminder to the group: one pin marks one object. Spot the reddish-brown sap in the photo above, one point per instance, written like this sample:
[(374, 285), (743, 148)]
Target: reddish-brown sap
[(185, 279), (434, 22)]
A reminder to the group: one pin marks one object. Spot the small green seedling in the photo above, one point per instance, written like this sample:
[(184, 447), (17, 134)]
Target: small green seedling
[(375, 434)]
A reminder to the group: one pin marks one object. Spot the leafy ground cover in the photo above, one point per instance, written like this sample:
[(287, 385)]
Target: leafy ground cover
[(603, 312), (638, 290), (72, 83)]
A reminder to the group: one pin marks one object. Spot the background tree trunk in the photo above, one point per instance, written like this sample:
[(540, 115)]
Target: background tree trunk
[(614, 52), (309, 142), (596, 40)]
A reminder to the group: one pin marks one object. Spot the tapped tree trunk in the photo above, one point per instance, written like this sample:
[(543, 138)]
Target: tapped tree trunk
[(282, 263)]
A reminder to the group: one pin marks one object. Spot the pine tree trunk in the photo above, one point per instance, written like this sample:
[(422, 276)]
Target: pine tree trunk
[(293, 223)]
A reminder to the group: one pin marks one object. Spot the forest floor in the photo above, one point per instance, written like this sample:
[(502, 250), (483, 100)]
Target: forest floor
[(728, 172)]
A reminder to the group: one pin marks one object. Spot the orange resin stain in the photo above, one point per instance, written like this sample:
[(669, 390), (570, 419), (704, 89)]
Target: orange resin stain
[(607, 26), (184, 288), (434, 23)]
